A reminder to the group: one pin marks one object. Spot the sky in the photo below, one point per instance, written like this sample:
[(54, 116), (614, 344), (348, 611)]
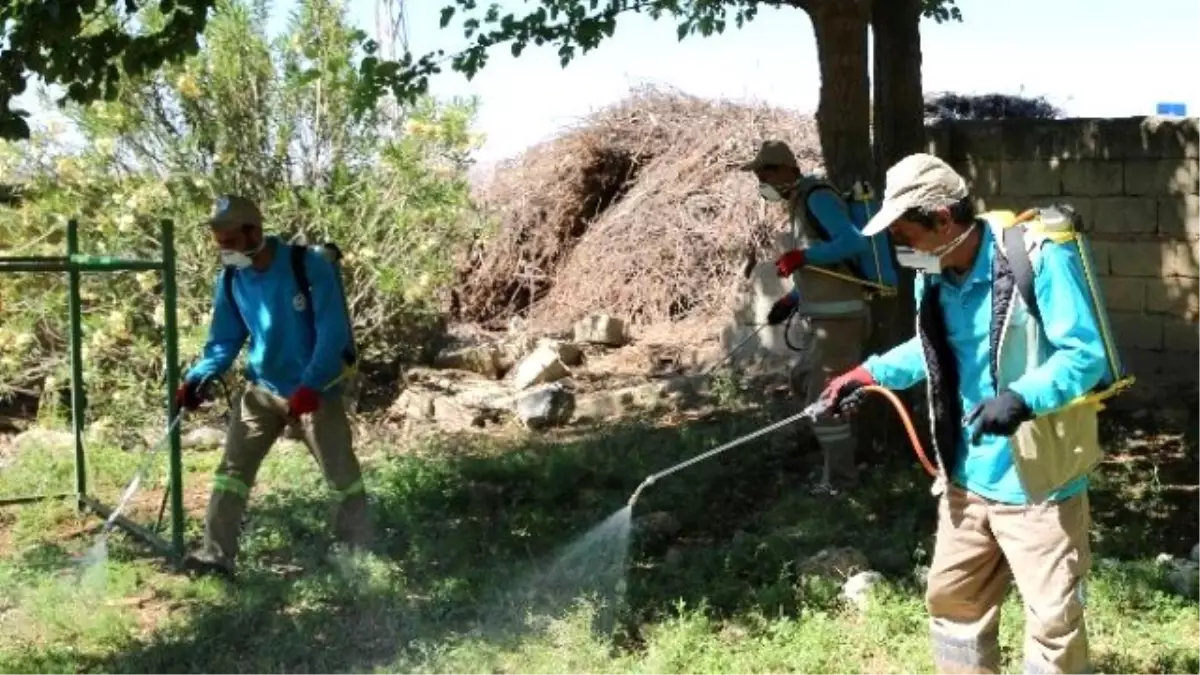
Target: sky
[(1092, 58)]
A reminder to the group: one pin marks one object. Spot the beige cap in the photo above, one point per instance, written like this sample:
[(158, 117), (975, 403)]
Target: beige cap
[(918, 180), (231, 211), (772, 154)]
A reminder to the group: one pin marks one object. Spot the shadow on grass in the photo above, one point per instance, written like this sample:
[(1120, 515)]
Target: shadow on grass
[(1146, 500), (1174, 661), (461, 523)]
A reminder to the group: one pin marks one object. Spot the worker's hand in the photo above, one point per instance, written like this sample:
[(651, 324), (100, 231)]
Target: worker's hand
[(303, 401), (781, 310), (841, 394), (999, 416), (190, 395), (790, 262)]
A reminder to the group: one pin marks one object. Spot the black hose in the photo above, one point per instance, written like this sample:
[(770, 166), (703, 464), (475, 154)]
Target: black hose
[(787, 328)]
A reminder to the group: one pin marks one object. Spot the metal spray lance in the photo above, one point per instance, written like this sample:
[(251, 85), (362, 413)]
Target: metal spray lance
[(811, 412)]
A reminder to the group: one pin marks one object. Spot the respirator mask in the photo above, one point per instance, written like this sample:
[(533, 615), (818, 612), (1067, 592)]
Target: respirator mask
[(240, 259), (769, 192), (931, 262)]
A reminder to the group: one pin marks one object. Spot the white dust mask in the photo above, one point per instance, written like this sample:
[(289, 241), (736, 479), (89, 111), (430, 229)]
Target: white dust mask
[(931, 262), (235, 259), (769, 192), (240, 259)]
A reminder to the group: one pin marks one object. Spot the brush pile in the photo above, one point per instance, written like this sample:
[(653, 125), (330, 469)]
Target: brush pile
[(640, 211)]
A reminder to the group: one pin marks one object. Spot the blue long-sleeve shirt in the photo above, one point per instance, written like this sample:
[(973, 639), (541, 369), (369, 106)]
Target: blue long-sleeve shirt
[(285, 351), (845, 239), (1076, 360)]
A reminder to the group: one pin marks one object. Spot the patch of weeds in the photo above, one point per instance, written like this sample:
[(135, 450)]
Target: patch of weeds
[(719, 586)]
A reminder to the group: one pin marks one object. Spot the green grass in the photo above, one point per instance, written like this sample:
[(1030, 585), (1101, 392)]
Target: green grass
[(461, 520)]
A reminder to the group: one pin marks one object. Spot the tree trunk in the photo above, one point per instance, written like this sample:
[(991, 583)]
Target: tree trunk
[(899, 130), (899, 97), (899, 126), (844, 123), (843, 114)]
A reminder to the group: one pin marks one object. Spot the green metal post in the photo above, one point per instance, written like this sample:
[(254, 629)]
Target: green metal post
[(171, 328), (76, 338)]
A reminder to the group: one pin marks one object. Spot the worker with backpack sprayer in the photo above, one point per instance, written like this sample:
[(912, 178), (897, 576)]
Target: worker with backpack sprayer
[(835, 270), (1013, 343), (289, 301)]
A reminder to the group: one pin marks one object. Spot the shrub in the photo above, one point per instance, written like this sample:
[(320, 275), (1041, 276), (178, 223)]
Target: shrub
[(267, 118)]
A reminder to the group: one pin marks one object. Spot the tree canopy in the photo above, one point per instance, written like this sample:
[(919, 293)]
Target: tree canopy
[(87, 46), (579, 26)]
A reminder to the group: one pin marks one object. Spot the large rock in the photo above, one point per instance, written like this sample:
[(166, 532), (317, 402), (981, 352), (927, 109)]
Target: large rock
[(414, 404), (1184, 578), (544, 406), (451, 403), (486, 360), (857, 589), (675, 392), (203, 438), (540, 366), (450, 412), (43, 439), (513, 349), (568, 352), (1181, 574), (602, 329), (835, 563)]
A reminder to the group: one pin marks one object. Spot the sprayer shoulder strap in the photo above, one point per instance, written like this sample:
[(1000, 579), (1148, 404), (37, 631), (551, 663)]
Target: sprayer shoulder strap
[(300, 272), (1022, 267), (227, 275)]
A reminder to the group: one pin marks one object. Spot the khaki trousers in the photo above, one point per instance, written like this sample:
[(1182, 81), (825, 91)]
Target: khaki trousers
[(256, 425), (981, 547), (835, 346)]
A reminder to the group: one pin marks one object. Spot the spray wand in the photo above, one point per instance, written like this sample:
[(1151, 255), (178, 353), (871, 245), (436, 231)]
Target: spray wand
[(811, 412)]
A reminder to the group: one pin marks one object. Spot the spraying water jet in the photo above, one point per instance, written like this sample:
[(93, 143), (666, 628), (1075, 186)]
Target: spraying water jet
[(595, 562)]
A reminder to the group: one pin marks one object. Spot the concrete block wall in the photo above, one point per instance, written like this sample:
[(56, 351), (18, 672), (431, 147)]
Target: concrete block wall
[(1136, 182)]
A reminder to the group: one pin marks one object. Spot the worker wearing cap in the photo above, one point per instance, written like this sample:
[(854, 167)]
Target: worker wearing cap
[(821, 234), (293, 367), (1013, 455)]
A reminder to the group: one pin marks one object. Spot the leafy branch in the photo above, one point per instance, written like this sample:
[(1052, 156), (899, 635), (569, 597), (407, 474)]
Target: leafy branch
[(88, 46)]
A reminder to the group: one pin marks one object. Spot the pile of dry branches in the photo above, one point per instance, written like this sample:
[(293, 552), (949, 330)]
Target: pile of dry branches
[(640, 211)]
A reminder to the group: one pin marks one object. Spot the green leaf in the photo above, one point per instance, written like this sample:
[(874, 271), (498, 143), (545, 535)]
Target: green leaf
[(447, 14)]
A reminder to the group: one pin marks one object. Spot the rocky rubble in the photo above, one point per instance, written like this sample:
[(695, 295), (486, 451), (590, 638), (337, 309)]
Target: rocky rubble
[(1182, 574), (545, 381)]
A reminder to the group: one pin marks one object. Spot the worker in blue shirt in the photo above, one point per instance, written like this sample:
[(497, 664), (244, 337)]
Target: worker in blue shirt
[(1013, 456), (295, 366), (832, 309)]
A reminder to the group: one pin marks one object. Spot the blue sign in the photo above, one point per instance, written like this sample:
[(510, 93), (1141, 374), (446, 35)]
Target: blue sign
[(1175, 109)]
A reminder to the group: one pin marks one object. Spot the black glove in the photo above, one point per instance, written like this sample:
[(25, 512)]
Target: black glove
[(781, 310), (999, 416)]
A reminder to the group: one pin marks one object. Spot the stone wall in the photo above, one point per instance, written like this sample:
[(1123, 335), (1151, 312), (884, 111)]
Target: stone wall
[(1136, 182)]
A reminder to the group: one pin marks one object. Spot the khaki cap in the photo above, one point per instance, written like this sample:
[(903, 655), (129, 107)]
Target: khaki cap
[(917, 181), (772, 154), (231, 211)]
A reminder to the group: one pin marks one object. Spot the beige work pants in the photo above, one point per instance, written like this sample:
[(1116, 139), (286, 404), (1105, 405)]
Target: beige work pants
[(835, 346), (981, 547), (256, 425)]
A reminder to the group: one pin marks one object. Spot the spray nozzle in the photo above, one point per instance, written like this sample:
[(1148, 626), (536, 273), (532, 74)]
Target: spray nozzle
[(638, 492)]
